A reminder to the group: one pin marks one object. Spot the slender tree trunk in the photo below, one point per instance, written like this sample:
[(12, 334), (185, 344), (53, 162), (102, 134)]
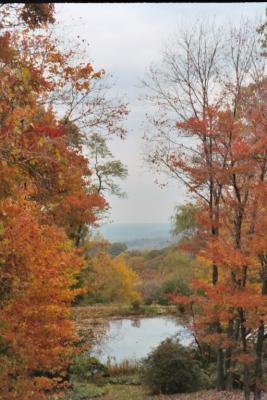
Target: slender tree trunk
[(258, 363), (264, 285), (246, 383), (259, 345), (220, 384), (264, 276), (220, 370), (79, 236), (214, 275), (220, 353), (228, 358), (260, 338), (244, 346), (220, 363)]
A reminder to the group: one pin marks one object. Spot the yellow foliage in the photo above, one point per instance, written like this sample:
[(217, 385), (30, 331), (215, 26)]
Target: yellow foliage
[(109, 279), (203, 268)]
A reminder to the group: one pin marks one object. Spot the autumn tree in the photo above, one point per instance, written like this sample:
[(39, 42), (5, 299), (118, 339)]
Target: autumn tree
[(46, 198), (38, 269), (105, 278), (197, 96), (17, 16), (237, 302), (31, 14)]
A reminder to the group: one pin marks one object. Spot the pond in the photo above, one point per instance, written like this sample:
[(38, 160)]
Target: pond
[(133, 339)]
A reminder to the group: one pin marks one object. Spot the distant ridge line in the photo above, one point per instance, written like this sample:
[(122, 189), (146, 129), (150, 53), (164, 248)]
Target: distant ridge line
[(133, 232)]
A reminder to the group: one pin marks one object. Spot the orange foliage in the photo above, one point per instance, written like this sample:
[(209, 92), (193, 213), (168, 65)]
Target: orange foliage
[(38, 267), (231, 164), (46, 199)]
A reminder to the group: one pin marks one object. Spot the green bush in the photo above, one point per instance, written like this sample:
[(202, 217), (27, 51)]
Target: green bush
[(148, 301), (152, 254), (116, 248), (87, 369), (136, 305), (170, 368), (177, 286), (83, 391)]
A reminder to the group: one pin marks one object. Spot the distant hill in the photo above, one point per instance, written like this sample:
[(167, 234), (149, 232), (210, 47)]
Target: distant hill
[(138, 236), (148, 244)]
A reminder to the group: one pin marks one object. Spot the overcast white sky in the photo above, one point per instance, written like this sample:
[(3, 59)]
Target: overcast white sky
[(124, 39)]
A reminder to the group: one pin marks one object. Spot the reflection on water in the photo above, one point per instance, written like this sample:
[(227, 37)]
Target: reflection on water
[(136, 323), (132, 339)]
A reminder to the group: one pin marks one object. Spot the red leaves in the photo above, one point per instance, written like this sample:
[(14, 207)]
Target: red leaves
[(52, 132), (179, 299), (226, 170), (78, 208), (223, 252), (7, 52), (196, 126), (37, 14)]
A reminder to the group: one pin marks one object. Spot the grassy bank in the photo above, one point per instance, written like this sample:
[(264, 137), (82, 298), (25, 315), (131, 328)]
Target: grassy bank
[(138, 393), (128, 392), (121, 311)]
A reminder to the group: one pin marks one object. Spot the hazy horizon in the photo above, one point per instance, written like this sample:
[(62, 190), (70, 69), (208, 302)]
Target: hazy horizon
[(138, 236)]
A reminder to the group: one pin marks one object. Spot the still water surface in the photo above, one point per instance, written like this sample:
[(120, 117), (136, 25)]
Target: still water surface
[(133, 339)]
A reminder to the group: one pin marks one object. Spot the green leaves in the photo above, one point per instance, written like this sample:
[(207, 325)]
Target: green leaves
[(106, 169)]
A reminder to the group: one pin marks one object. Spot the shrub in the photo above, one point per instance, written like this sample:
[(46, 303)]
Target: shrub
[(136, 305), (133, 379), (177, 286), (170, 368), (116, 248), (152, 254), (87, 369), (148, 301)]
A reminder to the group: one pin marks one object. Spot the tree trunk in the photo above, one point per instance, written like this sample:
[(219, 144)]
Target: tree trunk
[(214, 275), (220, 370), (220, 363), (220, 384), (244, 348), (264, 276), (258, 363), (260, 338), (79, 236), (246, 383), (228, 358), (264, 285)]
